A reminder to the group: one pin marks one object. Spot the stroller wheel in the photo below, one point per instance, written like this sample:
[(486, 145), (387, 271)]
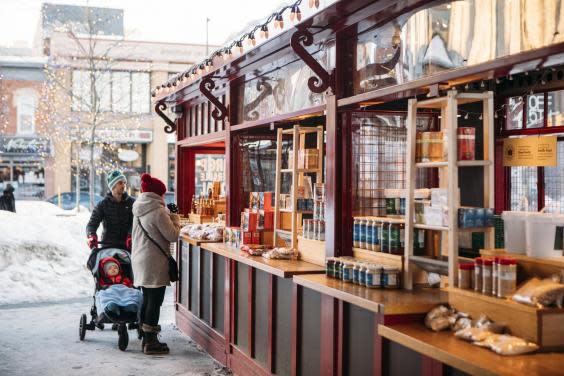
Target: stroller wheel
[(82, 327), (100, 325), (123, 339)]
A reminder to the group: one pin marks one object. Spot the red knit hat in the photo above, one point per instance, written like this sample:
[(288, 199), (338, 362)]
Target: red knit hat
[(150, 184)]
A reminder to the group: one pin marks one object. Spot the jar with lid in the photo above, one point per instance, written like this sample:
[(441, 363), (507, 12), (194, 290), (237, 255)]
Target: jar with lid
[(338, 268), (465, 275), (385, 237), (390, 277), (478, 274), (397, 238), (375, 235), (362, 274), (321, 231), (368, 244), (356, 233), (330, 267), (347, 271), (495, 274), (487, 276), (374, 276), (507, 277), (356, 273), (362, 236)]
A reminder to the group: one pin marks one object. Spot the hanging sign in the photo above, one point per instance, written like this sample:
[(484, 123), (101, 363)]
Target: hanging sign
[(530, 151)]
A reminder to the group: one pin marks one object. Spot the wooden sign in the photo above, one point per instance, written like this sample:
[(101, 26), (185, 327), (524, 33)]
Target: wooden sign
[(530, 151)]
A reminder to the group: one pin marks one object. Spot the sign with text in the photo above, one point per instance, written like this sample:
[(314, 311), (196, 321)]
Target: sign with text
[(530, 151), (209, 168), (25, 146)]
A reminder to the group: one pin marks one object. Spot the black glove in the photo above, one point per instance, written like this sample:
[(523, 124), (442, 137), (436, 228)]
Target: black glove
[(172, 207)]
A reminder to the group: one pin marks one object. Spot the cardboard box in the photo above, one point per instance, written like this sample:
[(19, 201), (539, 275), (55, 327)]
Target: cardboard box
[(254, 200), (267, 201), (255, 237), (268, 220), (308, 158), (260, 220), (245, 221), (247, 238), (253, 221), (285, 222), (267, 238)]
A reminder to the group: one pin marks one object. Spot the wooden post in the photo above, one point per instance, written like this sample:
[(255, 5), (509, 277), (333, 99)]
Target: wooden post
[(333, 180)]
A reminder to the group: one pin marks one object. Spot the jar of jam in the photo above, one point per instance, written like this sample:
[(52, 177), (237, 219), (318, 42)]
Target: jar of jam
[(390, 277), (374, 276), (385, 237), (347, 271), (356, 273), (369, 234), (338, 268), (362, 236), (356, 233), (362, 274), (330, 267)]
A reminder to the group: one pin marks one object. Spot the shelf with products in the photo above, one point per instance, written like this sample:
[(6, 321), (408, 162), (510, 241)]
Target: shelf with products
[(441, 150)]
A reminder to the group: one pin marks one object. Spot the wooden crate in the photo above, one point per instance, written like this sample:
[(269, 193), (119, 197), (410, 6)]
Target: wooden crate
[(312, 251), (200, 219), (542, 326)]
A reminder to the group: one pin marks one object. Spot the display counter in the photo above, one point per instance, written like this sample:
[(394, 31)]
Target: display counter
[(445, 348)]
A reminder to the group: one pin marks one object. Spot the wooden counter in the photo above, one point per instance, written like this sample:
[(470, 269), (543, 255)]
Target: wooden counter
[(280, 268), (446, 348), (387, 302), (196, 242)]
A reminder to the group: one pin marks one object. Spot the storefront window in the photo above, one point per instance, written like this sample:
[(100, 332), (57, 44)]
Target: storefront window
[(524, 188), (554, 183), (555, 117), (535, 111), (514, 113), (450, 36), (171, 167), (209, 169)]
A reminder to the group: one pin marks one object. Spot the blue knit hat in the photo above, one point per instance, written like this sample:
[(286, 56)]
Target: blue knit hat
[(114, 177)]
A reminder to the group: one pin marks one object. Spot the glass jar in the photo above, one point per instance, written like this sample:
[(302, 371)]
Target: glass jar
[(487, 276), (507, 277), (347, 271), (385, 237), (362, 236), (374, 276), (495, 274), (362, 274), (375, 235), (356, 273), (465, 275), (356, 233), (478, 274), (330, 267), (390, 277), (338, 268), (369, 240)]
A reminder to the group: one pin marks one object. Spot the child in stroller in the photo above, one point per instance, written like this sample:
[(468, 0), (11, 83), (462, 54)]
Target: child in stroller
[(115, 300)]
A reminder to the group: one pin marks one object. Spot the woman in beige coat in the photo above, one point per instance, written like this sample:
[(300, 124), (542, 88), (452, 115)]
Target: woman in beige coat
[(152, 220)]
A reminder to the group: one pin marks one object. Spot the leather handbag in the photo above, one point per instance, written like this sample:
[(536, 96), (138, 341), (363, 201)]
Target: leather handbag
[(172, 264)]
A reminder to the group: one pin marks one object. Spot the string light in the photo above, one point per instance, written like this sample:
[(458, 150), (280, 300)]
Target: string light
[(264, 32), (279, 21), (314, 3), (240, 46), (295, 14)]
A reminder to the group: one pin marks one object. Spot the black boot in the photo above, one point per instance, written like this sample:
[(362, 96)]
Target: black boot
[(151, 344)]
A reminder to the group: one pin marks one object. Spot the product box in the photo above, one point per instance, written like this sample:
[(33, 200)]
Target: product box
[(301, 192), (285, 222), (254, 201), (255, 237), (468, 218), (245, 221), (439, 197), (268, 220), (267, 238), (267, 201), (247, 238), (436, 215), (260, 220), (253, 221), (319, 192), (308, 158)]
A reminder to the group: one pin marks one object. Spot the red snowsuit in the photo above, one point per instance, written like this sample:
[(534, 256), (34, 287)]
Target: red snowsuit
[(106, 280)]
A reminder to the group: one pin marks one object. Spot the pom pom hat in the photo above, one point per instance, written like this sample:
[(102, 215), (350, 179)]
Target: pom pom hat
[(113, 178), (150, 184)]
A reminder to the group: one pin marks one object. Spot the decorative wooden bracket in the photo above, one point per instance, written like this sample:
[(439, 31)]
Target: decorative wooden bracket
[(315, 84), (171, 125), (220, 112), (265, 90)]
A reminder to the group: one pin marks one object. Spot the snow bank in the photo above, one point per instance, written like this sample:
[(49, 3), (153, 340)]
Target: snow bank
[(43, 254)]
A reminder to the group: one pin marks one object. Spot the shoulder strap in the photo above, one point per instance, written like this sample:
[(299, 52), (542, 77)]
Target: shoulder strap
[(151, 239)]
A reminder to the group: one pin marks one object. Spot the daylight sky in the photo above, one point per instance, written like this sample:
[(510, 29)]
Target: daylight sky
[(156, 20)]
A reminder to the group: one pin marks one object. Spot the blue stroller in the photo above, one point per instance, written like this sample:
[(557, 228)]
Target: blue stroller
[(105, 295)]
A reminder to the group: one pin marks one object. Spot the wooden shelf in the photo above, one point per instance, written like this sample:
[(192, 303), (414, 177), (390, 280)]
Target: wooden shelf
[(386, 219), (280, 268), (462, 355), (297, 211), (542, 326), (557, 262), (431, 164), (473, 163), (196, 242), (430, 227), (378, 257), (430, 264), (383, 301)]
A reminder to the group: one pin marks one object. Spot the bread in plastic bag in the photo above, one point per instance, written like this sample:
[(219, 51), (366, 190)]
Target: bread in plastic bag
[(473, 334), (504, 344), (440, 318), (540, 293)]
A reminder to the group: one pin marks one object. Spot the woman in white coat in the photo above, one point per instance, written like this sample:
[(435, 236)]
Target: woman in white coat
[(154, 228)]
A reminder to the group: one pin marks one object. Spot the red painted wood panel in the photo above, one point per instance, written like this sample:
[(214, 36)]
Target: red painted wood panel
[(340, 336), (329, 335), (251, 309), (431, 367)]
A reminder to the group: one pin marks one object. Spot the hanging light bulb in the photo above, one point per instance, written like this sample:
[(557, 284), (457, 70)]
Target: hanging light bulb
[(252, 41), (481, 117), (482, 85), (264, 32), (466, 116), (279, 21), (314, 3), (209, 65), (295, 14), (240, 45), (495, 115), (227, 54)]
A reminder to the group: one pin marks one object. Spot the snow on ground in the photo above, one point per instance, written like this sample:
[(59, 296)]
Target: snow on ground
[(43, 254)]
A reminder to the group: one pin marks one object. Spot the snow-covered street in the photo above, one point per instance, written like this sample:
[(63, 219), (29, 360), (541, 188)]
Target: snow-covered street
[(42, 339)]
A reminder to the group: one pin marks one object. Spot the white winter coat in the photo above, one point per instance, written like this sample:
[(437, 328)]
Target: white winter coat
[(150, 266)]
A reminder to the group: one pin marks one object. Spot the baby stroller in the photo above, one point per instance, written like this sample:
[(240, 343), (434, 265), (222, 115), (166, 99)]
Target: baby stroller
[(125, 319)]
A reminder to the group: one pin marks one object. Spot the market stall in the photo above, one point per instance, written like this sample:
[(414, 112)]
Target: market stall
[(370, 151)]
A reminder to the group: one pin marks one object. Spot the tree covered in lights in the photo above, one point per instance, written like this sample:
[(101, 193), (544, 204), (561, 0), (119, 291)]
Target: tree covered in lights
[(85, 80)]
